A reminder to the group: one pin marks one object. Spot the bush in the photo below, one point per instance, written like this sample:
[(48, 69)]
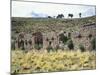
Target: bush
[(93, 43), (57, 47), (38, 47), (70, 44), (63, 38), (13, 44), (81, 47), (49, 48)]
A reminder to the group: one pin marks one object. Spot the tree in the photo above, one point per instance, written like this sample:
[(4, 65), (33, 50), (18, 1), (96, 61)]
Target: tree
[(60, 16), (70, 15), (80, 14), (49, 17)]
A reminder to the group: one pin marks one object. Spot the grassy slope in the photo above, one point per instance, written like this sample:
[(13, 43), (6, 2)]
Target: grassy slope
[(45, 24)]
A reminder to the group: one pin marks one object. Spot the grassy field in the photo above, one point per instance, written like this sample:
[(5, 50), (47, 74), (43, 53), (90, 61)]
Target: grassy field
[(42, 61)]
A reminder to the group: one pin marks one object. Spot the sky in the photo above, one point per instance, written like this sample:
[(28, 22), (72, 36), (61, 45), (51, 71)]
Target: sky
[(31, 9)]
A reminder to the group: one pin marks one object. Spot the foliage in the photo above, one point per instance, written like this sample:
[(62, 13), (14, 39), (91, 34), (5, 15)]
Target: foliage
[(80, 14), (63, 38), (81, 47), (93, 43), (70, 44), (38, 46), (49, 48), (13, 44), (70, 15), (46, 24), (60, 16), (49, 17)]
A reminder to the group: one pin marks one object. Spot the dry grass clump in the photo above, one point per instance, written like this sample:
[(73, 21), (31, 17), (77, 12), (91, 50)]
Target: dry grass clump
[(42, 61)]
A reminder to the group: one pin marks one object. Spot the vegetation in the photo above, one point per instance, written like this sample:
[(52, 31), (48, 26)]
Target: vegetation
[(49, 48), (81, 47), (60, 16), (42, 61), (70, 15), (49, 17), (38, 47), (63, 38), (30, 25), (80, 15), (70, 44), (93, 43), (50, 60)]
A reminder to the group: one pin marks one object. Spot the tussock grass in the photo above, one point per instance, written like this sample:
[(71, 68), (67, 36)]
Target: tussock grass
[(42, 61)]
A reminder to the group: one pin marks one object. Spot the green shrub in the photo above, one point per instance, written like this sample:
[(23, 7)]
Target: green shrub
[(63, 38), (13, 44), (49, 48), (70, 44), (38, 47), (81, 47), (57, 47), (93, 43)]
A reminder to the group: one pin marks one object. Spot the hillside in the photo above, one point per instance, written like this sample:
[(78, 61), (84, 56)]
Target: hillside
[(48, 24), (49, 30)]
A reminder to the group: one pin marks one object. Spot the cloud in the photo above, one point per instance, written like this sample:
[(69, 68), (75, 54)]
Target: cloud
[(90, 11), (34, 14)]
